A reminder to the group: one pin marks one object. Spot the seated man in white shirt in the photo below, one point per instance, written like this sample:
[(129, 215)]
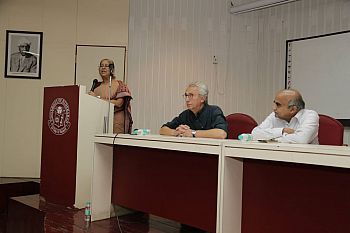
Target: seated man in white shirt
[(289, 122)]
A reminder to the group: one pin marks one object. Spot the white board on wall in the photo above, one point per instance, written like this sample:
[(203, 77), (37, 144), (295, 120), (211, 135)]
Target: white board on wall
[(319, 67), (88, 58)]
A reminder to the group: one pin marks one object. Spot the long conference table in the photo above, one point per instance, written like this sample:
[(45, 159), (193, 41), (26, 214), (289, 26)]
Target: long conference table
[(224, 186)]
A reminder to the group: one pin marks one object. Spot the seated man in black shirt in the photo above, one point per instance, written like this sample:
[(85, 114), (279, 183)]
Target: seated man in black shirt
[(199, 119)]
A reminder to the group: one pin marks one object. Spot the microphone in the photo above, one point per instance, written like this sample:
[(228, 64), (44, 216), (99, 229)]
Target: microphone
[(94, 84), (111, 68)]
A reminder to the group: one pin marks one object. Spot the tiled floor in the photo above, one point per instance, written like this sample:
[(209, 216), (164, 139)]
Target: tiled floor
[(59, 219), (14, 187), (73, 221)]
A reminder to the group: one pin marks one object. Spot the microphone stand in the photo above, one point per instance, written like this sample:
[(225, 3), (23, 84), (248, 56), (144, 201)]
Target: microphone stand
[(106, 118), (109, 102)]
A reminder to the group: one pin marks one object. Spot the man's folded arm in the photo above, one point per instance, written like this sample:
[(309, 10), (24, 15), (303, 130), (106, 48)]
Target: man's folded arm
[(165, 130), (306, 133), (265, 130), (211, 133)]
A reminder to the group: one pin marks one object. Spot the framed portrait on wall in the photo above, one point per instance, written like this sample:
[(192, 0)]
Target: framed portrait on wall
[(23, 54)]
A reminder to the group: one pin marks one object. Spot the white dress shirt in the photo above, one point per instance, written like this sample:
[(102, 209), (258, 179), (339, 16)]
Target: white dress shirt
[(305, 123)]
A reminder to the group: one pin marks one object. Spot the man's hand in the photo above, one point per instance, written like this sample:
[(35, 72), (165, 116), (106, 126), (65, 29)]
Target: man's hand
[(288, 130), (183, 131)]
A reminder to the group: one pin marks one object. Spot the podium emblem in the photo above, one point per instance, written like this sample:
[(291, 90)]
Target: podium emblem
[(59, 115)]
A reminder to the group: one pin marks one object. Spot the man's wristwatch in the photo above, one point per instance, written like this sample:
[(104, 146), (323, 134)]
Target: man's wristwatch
[(194, 133)]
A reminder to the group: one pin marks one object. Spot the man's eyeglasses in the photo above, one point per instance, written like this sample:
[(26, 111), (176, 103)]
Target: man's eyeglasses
[(189, 96)]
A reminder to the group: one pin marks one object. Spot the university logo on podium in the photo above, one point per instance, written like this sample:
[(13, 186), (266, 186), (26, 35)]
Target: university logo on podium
[(59, 115)]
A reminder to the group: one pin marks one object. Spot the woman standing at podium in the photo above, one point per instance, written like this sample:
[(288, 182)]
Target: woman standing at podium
[(120, 96)]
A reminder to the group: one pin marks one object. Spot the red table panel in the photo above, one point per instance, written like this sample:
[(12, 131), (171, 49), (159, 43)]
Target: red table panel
[(177, 185), (295, 198)]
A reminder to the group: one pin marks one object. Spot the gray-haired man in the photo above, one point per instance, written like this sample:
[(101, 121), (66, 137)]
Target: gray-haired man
[(200, 119)]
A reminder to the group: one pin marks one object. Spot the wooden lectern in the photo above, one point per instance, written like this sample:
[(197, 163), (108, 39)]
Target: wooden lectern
[(71, 118)]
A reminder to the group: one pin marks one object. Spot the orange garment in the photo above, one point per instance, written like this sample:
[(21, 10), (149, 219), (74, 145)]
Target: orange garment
[(122, 121)]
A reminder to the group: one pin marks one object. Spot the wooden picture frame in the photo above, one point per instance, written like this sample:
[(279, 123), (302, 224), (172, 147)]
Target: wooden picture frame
[(23, 54)]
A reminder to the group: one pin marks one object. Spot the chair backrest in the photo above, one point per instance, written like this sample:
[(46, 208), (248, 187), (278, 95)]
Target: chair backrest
[(330, 131), (239, 123)]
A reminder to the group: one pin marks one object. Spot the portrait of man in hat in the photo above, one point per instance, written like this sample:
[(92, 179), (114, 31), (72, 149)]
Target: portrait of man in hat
[(23, 60)]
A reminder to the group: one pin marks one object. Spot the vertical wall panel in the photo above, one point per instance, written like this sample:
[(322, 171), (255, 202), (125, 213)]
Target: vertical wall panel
[(172, 43), (186, 34)]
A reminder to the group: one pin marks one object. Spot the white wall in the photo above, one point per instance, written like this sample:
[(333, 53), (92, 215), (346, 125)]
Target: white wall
[(171, 42), (64, 24)]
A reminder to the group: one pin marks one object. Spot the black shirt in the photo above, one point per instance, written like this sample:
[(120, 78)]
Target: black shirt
[(209, 117)]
